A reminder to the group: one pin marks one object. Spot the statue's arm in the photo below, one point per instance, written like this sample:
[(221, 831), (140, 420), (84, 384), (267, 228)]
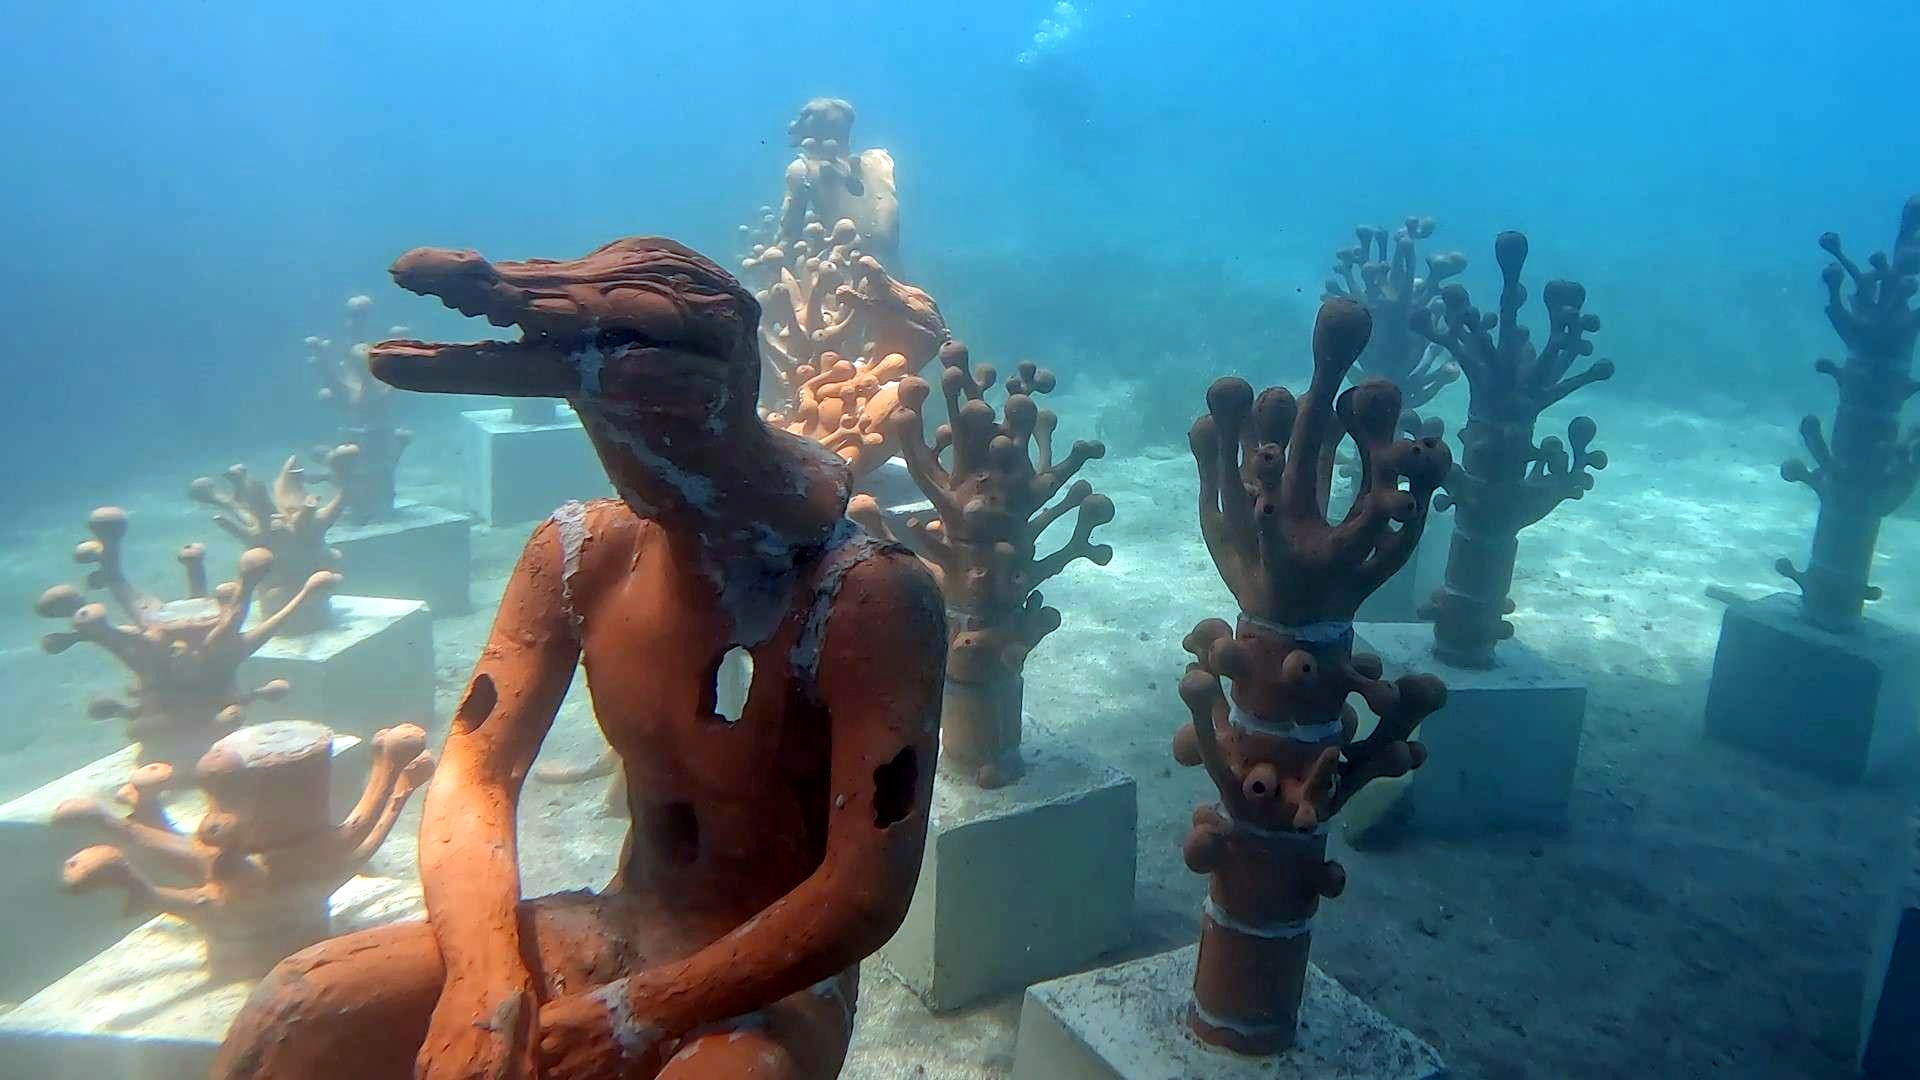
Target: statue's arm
[(469, 861), (880, 671)]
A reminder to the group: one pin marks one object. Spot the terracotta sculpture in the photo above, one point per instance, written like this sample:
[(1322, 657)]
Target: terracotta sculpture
[(288, 521), (1870, 468), (265, 857), (1280, 747), (826, 304), (827, 182), (366, 472), (769, 854), (990, 508), (1504, 482), (182, 654), (1387, 286)]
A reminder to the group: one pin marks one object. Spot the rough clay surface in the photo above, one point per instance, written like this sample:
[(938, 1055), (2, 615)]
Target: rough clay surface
[(1128, 1023)]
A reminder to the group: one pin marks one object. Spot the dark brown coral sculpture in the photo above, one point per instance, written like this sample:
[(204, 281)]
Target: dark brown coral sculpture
[(990, 507), (366, 471), (1385, 282), (1281, 745), (265, 857), (182, 654), (1869, 469), (288, 521), (1504, 482)]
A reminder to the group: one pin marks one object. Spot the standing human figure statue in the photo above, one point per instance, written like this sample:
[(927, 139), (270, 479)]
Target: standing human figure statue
[(767, 854), (829, 179)]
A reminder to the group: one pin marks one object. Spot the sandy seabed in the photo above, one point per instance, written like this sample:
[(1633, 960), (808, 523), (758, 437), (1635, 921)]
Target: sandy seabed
[(1706, 914)]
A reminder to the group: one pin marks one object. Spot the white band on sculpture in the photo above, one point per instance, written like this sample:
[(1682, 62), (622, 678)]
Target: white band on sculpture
[(1322, 633), (1281, 931)]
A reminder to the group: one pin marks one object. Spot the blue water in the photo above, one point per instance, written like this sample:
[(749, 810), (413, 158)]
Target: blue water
[(187, 185)]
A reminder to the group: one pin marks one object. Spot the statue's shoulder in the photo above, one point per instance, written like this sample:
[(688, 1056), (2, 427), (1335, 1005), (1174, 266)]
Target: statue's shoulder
[(870, 577), (582, 531)]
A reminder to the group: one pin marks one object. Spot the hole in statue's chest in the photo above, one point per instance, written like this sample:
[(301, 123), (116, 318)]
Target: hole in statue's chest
[(724, 692)]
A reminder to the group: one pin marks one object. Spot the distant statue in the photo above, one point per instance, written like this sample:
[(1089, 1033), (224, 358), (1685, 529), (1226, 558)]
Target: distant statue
[(833, 183), (768, 853)]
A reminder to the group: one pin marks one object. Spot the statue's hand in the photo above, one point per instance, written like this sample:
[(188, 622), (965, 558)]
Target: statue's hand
[(481, 1033), (598, 1036)]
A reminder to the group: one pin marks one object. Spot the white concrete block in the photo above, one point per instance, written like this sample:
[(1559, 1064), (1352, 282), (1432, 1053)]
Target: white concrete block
[(49, 930), (1130, 1023), (145, 1008), (1504, 746), (1021, 883), (420, 553), (372, 669), (520, 472), (1845, 706)]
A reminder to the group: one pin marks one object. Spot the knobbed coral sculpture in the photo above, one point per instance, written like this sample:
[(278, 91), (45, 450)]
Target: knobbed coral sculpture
[(1280, 746), (369, 443), (1504, 482), (827, 303), (991, 507), (1869, 469), (265, 857), (182, 654), (1392, 294), (288, 521)]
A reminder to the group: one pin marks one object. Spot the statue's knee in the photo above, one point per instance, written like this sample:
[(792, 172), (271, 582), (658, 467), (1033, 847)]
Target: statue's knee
[(277, 1005)]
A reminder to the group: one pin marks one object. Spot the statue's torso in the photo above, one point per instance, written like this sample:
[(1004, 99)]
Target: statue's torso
[(728, 815)]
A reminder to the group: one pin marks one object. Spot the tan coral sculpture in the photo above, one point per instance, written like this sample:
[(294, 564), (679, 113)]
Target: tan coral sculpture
[(265, 857), (183, 654), (991, 507), (288, 521)]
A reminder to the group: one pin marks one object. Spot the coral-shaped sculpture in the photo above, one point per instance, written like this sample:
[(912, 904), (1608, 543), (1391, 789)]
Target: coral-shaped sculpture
[(368, 446), (837, 334), (1504, 482), (1383, 279), (182, 654), (288, 521), (1280, 744), (990, 507), (265, 857), (1869, 469)]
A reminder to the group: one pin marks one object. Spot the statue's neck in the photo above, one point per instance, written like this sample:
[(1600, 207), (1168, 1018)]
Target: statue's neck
[(741, 505)]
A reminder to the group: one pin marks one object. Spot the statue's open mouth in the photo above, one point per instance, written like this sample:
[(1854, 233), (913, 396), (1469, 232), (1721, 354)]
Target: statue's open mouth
[(612, 324)]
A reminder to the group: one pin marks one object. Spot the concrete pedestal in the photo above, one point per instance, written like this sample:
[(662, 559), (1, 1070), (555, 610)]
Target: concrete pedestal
[(145, 1009), (1502, 749), (49, 930), (372, 669), (1130, 1023), (1021, 883), (420, 553), (520, 472), (1843, 706), (1890, 1008)]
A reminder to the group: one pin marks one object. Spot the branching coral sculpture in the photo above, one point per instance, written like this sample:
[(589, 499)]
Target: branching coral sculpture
[(289, 522), (1869, 469), (366, 472), (990, 507), (827, 303), (1504, 482), (265, 857), (1281, 746), (1384, 281), (182, 654)]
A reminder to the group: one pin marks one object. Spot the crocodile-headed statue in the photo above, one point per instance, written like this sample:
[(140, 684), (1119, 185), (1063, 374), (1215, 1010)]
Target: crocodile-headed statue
[(768, 853)]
